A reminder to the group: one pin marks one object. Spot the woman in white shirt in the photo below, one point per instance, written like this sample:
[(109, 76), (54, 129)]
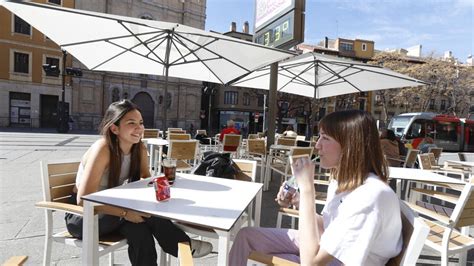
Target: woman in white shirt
[(360, 224)]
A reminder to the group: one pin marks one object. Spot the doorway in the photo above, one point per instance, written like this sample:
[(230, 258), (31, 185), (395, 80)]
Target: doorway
[(147, 108), (49, 111)]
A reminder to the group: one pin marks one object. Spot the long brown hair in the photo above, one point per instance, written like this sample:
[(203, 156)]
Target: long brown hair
[(112, 116), (357, 133)]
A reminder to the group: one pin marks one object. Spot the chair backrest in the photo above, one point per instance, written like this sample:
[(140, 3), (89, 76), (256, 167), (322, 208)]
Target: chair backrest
[(315, 138), (151, 133), (174, 129), (175, 136), (201, 132), (253, 136), (410, 158), (414, 233), (59, 179), (256, 146), (463, 213), (424, 161), (248, 168), (231, 142), (286, 141), (301, 151), (432, 158), (436, 152), (462, 156), (300, 137), (183, 149)]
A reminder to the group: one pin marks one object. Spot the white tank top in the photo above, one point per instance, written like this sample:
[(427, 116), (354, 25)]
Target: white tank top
[(124, 171)]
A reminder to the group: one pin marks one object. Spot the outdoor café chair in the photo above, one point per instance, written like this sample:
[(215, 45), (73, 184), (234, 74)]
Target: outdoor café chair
[(444, 235), (256, 150), (436, 152), (151, 133), (186, 152), (179, 136), (58, 178), (414, 233), (232, 143)]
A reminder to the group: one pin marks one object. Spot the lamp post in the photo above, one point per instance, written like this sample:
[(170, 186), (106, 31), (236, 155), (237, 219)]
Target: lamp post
[(63, 126), (63, 107)]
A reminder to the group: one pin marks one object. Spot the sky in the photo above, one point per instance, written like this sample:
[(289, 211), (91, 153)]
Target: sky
[(438, 25)]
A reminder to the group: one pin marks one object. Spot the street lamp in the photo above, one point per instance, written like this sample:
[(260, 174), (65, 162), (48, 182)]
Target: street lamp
[(63, 107)]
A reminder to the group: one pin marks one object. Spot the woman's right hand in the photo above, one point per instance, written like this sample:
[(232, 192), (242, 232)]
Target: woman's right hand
[(285, 203), (136, 217)]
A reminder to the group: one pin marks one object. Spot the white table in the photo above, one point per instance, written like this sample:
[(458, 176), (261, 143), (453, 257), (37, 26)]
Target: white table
[(419, 175), (214, 203), (152, 142)]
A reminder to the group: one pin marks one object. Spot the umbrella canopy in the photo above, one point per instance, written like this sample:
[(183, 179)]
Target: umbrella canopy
[(320, 76), (108, 42)]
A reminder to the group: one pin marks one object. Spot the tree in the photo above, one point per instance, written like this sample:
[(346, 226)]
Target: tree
[(447, 80)]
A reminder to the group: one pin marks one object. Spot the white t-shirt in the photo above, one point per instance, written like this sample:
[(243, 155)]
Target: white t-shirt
[(362, 227)]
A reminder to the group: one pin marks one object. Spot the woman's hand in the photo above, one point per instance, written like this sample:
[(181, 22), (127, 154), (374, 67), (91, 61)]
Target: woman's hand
[(294, 199), (136, 217), (303, 170)]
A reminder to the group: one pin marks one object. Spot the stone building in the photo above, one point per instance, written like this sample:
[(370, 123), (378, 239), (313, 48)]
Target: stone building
[(29, 97)]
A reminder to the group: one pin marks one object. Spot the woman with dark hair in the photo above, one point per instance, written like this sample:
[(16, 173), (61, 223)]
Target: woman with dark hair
[(116, 158), (360, 223), (390, 147)]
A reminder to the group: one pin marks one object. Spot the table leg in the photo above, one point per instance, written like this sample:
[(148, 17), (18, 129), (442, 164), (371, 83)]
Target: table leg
[(258, 207), (160, 155), (90, 240), (224, 247), (151, 151)]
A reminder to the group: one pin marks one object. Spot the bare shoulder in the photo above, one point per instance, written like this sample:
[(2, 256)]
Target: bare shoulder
[(98, 151)]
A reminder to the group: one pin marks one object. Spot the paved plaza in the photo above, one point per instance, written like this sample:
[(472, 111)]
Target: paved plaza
[(22, 225)]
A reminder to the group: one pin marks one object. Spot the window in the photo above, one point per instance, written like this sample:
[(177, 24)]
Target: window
[(246, 98), (231, 97), (57, 2), (364, 47), (347, 46), (21, 26), (260, 100), (52, 62), (443, 105), (21, 63), (432, 104)]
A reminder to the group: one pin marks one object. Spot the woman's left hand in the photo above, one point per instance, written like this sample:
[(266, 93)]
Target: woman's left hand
[(303, 170)]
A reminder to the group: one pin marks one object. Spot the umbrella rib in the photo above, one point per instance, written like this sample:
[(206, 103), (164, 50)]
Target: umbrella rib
[(191, 51), (163, 38), (143, 43), (337, 74), (107, 39), (124, 51), (210, 51)]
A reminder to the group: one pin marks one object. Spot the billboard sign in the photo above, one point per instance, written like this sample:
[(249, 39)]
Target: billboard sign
[(267, 10)]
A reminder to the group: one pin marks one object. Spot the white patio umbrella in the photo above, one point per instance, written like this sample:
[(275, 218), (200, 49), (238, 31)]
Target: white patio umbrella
[(108, 42), (320, 76)]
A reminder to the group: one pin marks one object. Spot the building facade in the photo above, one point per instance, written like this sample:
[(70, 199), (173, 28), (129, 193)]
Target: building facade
[(30, 97)]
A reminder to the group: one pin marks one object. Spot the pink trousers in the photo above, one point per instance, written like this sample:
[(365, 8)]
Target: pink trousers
[(282, 243)]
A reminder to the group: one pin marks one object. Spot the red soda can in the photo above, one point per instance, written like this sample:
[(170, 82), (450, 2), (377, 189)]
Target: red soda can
[(162, 188)]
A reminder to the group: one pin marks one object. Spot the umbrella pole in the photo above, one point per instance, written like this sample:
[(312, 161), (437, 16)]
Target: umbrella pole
[(272, 104), (165, 97)]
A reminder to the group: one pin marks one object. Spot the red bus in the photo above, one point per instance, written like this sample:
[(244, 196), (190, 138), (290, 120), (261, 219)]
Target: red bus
[(448, 132)]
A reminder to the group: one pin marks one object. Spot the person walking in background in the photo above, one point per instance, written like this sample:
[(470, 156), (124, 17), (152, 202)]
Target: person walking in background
[(116, 158), (230, 129), (390, 148), (289, 132), (360, 223)]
